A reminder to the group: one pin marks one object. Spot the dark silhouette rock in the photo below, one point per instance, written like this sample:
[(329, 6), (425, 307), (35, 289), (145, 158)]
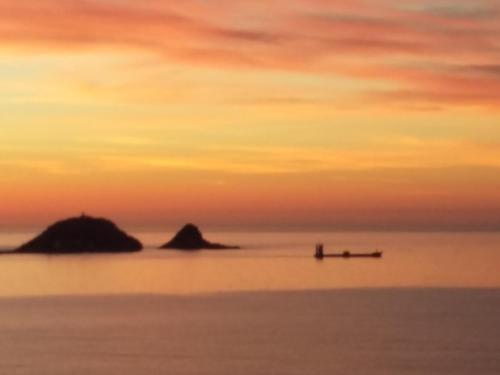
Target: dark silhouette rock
[(82, 234), (190, 238)]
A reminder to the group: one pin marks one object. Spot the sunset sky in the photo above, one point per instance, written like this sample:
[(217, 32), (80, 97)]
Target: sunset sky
[(267, 114)]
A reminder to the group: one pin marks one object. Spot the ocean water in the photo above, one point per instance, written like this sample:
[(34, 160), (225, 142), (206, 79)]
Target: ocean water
[(430, 306), (268, 262), (390, 331)]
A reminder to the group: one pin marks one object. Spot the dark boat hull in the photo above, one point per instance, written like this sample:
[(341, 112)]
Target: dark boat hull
[(351, 255)]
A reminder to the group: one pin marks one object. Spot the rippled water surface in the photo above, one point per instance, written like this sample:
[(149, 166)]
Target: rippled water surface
[(358, 332)]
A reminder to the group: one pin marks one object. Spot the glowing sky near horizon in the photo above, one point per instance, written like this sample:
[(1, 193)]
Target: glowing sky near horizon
[(282, 114)]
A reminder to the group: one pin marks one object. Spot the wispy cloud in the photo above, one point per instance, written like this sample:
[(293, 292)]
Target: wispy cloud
[(431, 52), (397, 153)]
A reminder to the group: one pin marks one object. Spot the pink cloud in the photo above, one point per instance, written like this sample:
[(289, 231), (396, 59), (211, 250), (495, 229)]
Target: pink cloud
[(439, 52)]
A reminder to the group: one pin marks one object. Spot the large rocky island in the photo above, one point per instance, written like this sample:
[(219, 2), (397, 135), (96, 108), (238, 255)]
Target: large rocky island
[(82, 234), (190, 238)]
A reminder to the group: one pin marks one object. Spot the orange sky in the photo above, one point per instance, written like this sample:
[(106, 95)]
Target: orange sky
[(251, 114)]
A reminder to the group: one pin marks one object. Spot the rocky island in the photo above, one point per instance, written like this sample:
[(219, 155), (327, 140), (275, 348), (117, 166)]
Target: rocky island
[(82, 234), (190, 238)]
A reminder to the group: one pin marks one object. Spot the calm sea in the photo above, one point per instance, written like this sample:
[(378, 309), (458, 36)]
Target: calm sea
[(268, 261), (430, 306)]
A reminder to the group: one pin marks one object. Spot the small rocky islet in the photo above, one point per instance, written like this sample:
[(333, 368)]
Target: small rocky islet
[(84, 234), (191, 238)]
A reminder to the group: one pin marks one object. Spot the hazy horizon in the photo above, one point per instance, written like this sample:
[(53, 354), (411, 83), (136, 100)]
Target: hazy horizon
[(208, 226)]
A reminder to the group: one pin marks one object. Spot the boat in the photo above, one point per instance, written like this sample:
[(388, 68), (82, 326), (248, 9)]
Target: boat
[(320, 254)]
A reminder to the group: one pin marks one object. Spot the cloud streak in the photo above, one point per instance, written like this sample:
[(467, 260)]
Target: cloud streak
[(443, 52), (391, 154)]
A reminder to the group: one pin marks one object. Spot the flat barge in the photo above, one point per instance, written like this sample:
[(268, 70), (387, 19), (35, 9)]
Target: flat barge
[(320, 254)]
